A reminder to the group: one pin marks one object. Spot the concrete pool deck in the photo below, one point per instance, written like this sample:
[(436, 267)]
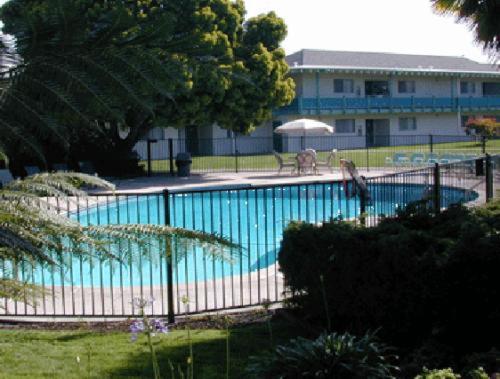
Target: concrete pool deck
[(222, 179)]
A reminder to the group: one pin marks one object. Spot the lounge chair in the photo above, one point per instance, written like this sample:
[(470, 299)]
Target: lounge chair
[(306, 161), (397, 160), (417, 159), (432, 158), (31, 170), (5, 177), (328, 162), (282, 164)]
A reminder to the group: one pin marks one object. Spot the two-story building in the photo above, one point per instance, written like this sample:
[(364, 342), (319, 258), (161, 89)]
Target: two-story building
[(371, 99)]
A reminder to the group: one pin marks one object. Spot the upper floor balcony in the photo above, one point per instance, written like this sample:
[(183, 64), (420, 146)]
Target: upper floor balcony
[(370, 105)]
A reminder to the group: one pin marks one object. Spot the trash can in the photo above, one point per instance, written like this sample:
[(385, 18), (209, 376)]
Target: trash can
[(183, 162)]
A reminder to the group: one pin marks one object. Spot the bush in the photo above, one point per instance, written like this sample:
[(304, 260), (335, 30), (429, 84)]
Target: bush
[(415, 276), (446, 373), (328, 356)]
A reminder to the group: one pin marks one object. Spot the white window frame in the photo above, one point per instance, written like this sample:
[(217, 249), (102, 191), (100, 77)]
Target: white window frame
[(353, 125), (470, 87), (344, 81), (405, 125), (409, 86)]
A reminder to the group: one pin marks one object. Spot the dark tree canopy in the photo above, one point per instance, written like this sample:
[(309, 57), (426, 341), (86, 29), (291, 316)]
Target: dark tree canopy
[(92, 68)]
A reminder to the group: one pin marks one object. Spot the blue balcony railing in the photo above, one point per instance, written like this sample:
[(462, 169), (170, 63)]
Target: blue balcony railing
[(341, 105)]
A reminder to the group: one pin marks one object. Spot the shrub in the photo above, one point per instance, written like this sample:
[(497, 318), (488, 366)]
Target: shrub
[(415, 276), (329, 356), (446, 373)]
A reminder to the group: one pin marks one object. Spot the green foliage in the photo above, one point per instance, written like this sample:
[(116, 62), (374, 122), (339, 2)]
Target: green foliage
[(446, 373), (89, 69), (329, 356), (415, 276)]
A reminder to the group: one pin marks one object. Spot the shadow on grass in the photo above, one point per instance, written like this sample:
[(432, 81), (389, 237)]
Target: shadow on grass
[(209, 352)]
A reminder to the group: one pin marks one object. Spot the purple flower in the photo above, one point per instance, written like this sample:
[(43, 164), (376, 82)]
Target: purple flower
[(159, 326), (135, 328)]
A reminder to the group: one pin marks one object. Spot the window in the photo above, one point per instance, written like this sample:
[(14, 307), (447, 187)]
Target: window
[(491, 89), (344, 126), (406, 86), (467, 87), (407, 123), (343, 85), (377, 88)]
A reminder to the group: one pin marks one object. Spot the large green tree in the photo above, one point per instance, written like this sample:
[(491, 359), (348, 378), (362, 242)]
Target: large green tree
[(89, 69), (483, 16)]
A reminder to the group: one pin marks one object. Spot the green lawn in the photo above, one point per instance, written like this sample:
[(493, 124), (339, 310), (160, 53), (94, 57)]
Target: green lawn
[(373, 157), (53, 354)]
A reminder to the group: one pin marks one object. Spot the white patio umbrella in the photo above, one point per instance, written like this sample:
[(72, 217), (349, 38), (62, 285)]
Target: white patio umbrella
[(304, 127)]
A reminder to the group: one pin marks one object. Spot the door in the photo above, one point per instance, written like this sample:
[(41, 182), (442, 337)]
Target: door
[(277, 138), (192, 140), (369, 133), (377, 132)]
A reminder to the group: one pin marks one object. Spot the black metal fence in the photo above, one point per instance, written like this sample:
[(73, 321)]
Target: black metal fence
[(243, 153), (184, 277)]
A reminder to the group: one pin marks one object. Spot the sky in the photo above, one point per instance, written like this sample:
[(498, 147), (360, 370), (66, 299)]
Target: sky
[(396, 26)]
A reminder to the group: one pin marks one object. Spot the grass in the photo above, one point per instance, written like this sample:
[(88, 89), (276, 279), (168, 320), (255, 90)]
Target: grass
[(53, 354), (373, 157)]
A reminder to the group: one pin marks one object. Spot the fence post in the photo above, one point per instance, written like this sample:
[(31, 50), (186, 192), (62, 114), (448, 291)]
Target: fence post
[(236, 168), (431, 143), (489, 178), (170, 268), (437, 189), (483, 144), (171, 156), (367, 158), (148, 147), (362, 205)]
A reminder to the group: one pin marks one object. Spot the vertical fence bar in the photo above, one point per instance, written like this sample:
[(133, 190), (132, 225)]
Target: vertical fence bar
[(168, 251), (437, 189), (431, 143), (489, 178), (483, 144)]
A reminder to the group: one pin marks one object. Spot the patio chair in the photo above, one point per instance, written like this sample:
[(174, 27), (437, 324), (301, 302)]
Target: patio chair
[(282, 164), (400, 159), (31, 170), (329, 161), (5, 177), (417, 159), (432, 158), (306, 161)]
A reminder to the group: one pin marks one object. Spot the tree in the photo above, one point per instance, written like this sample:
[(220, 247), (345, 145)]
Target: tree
[(481, 15), (484, 126), (33, 232), (90, 69)]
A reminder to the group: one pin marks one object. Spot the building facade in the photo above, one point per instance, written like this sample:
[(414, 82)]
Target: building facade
[(371, 99)]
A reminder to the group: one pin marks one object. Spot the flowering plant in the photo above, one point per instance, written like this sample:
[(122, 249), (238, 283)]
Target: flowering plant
[(149, 327)]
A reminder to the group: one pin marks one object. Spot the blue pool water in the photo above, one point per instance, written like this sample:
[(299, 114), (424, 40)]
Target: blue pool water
[(253, 218)]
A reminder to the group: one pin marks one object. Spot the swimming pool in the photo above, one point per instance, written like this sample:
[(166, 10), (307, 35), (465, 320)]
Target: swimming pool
[(254, 218)]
